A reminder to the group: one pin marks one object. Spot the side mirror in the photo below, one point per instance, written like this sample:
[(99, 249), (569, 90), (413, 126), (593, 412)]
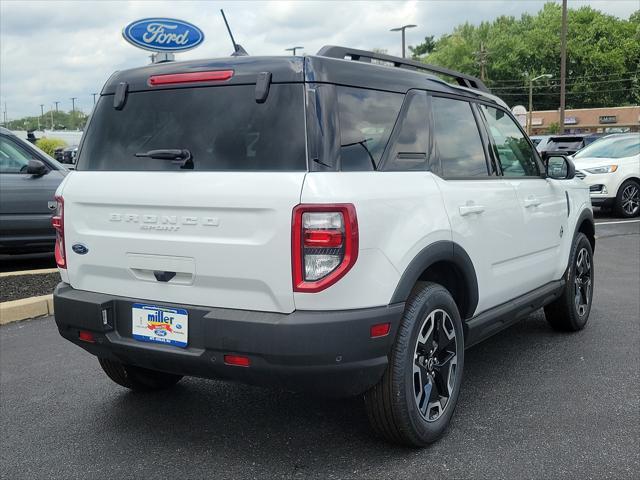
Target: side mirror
[(559, 167), (36, 168)]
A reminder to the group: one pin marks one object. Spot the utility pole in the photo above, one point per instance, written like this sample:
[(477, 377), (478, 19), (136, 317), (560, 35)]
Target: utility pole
[(51, 112), (293, 50), (94, 99), (41, 115), (402, 29), (56, 106), (482, 58), (73, 105), (5, 114), (531, 80), (563, 63)]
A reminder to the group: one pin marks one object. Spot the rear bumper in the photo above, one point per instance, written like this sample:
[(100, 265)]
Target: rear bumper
[(329, 352)]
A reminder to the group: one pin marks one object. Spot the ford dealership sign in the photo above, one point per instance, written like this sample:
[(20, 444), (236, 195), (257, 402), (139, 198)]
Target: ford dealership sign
[(163, 34)]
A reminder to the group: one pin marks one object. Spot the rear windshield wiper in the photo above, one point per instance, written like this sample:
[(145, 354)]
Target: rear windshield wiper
[(166, 154), (180, 156)]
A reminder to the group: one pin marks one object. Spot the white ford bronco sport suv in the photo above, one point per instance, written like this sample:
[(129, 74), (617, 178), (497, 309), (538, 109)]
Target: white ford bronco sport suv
[(325, 223)]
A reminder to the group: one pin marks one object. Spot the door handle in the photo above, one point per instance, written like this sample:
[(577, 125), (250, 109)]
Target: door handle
[(531, 202), (470, 209)]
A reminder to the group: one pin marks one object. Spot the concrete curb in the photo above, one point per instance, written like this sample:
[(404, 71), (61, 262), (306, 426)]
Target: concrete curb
[(29, 272), (16, 310)]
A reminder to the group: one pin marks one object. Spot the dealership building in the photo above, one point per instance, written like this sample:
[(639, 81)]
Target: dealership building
[(589, 120)]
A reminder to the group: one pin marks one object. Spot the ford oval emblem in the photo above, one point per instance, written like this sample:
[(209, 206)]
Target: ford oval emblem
[(79, 248), (163, 34)]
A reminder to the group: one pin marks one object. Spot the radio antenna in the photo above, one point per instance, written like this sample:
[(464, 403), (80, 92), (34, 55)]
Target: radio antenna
[(238, 51)]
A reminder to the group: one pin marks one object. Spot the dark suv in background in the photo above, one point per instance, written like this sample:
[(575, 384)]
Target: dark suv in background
[(28, 182)]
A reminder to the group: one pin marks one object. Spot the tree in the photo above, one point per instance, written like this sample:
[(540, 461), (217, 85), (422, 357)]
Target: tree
[(49, 145), (603, 54), (553, 128), (423, 48), (61, 121)]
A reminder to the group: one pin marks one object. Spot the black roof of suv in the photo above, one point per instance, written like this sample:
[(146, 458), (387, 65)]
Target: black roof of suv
[(336, 65)]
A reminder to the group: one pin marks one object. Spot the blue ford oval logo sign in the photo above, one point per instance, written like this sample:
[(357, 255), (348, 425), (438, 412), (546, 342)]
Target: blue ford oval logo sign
[(79, 248), (163, 34)]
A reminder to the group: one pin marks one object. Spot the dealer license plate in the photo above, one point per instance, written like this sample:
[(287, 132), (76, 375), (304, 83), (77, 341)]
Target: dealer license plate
[(151, 323)]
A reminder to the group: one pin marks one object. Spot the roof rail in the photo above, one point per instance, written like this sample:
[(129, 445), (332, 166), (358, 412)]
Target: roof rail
[(462, 79)]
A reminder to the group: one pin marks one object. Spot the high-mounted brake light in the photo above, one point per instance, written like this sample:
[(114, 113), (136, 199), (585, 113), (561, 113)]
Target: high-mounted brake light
[(324, 245), (57, 221), (190, 77)]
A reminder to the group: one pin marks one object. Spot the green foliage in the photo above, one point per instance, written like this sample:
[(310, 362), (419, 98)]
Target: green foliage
[(553, 128), (61, 121), (423, 48), (603, 56), (49, 145)]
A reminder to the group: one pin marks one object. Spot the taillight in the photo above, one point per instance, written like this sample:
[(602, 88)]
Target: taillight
[(324, 245), (190, 77), (58, 224)]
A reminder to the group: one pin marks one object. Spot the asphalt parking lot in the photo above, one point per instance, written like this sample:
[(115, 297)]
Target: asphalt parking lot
[(535, 404)]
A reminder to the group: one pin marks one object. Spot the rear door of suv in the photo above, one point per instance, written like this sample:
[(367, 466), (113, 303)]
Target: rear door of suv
[(212, 229)]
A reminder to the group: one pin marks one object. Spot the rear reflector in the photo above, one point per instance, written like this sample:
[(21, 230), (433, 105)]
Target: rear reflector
[(86, 336), (380, 330), (237, 360), (191, 77)]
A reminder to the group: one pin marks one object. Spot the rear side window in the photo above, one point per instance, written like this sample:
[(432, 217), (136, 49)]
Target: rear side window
[(512, 148), (457, 139), (223, 128), (366, 120), (567, 143), (410, 142)]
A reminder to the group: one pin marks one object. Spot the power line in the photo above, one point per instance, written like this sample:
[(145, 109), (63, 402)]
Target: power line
[(581, 76), (587, 92), (524, 87)]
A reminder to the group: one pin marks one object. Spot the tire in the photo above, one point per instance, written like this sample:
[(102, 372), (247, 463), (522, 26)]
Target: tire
[(627, 204), (136, 378), (431, 316), (570, 312)]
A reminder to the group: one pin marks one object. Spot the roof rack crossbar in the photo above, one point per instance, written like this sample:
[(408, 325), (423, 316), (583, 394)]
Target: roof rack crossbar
[(343, 53)]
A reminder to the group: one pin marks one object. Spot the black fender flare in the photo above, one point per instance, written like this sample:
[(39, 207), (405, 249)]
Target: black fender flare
[(586, 214), (439, 251)]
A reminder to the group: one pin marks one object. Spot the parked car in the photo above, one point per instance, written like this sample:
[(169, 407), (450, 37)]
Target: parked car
[(565, 144), (58, 154), (69, 154), (611, 168), (28, 181), (349, 228), (540, 141)]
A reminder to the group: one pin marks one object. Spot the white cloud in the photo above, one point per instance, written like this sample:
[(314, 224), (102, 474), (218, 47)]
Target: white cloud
[(55, 50)]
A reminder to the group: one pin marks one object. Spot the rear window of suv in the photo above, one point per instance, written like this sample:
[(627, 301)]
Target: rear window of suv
[(223, 128)]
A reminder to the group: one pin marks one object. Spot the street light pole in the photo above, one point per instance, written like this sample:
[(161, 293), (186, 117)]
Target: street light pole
[(293, 50), (402, 29), (94, 99), (73, 105), (56, 106), (531, 80)]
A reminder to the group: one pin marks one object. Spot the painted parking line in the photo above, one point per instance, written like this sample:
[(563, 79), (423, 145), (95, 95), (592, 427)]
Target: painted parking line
[(614, 223)]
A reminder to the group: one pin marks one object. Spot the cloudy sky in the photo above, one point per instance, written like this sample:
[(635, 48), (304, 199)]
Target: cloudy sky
[(55, 50)]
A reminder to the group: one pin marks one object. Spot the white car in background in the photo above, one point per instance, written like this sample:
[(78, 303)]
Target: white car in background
[(611, 168)]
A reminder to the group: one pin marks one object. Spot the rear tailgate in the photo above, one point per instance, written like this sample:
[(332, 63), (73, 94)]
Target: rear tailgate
[(212, 229), (225, 235)]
